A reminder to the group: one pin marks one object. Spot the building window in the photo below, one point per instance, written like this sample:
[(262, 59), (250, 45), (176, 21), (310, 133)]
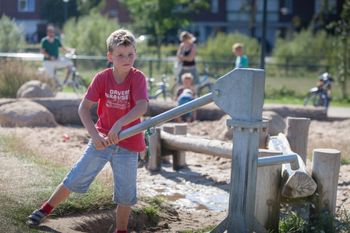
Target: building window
[(26, 5), (214, 6)]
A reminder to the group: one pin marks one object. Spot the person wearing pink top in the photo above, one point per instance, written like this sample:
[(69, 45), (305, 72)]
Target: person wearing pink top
[(121, 95)]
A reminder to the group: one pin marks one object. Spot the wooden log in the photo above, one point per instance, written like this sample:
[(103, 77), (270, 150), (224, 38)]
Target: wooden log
[(267, 202), (179, 157), (198, 145), (325, 170), (297, 135), (297, 111), (154, 148), (295, 182)]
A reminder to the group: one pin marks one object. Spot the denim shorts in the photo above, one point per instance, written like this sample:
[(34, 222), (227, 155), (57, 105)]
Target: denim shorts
[(124, 166)]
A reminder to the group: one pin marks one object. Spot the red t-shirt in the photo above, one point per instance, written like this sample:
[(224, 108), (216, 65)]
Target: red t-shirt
[(115, 100)]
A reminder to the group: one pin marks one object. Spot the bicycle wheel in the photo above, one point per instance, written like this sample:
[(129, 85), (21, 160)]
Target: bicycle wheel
[(313, 99), (79, 85)]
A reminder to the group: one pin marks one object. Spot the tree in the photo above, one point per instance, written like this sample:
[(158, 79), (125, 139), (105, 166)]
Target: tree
[(11, 36), (157, 17), (88, 34), (342, 47)]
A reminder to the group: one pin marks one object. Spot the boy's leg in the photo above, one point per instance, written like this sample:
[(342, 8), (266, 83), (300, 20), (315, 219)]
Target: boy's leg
[(59, 195), (122, 217), (77, 180), (124, 165)]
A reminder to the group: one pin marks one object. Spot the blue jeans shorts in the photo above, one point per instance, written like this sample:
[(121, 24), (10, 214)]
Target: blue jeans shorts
[(124, 166)]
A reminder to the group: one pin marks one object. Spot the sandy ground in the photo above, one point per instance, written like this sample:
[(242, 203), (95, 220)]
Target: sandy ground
[(198, 194)]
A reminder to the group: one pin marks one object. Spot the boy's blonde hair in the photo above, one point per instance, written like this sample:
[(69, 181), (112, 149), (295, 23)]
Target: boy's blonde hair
[(236, 46), (186, 76), (120, 37)]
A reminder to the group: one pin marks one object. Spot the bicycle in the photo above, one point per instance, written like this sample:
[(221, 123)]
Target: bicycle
[(162, 89), (204, 82), (319, 96), (77, 82)]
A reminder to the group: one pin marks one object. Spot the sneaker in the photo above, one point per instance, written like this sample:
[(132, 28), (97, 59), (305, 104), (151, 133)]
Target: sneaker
[(36, 218)]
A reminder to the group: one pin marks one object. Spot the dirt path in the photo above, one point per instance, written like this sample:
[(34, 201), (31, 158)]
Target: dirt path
[(198, 194)]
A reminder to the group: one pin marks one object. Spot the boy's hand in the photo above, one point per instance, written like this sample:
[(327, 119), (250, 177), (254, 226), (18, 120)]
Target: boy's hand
[(100, 142), (113, 135)]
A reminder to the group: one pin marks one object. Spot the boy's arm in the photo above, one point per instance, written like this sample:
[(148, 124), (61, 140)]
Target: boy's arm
[(85, 117), (136, 112)]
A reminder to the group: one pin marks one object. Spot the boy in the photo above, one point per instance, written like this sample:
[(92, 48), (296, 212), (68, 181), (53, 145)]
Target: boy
[(122, 99), (241, 58)]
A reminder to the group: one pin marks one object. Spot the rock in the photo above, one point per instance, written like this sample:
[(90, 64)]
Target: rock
[(276, 122), (33, 89), (25, 114)]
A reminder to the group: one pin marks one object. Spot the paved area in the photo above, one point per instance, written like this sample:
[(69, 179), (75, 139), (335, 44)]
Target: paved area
[(339, 112)]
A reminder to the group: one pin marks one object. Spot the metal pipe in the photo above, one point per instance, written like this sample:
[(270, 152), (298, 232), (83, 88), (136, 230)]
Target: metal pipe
[(167, 116), (279, 159)]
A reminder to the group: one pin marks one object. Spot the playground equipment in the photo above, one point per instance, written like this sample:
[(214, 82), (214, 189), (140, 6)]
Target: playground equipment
[(240, 94)]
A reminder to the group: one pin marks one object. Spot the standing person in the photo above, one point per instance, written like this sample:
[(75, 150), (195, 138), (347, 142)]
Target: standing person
[(241, 58), (50, 46), (186, 54), (122, 99)]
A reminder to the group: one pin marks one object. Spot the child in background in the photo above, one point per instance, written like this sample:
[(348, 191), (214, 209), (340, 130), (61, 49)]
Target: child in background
[(241, 58), (186, 93), (122, 99)]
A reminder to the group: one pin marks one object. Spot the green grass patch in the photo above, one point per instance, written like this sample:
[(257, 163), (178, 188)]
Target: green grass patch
[(345, 161), (14, 209)]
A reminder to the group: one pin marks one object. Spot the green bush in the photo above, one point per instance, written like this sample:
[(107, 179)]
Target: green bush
[(304, 48), (13, 74), (88, 34), (11, 37), (219, 48)]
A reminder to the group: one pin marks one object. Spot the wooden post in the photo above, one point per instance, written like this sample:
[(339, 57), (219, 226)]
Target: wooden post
[(179, 157), (297, 135), (169, 128), (325, 171), (154, 148), (267, 202)]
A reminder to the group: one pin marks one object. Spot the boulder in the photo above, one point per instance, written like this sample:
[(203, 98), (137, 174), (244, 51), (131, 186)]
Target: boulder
[(33, 89), (25, 113)]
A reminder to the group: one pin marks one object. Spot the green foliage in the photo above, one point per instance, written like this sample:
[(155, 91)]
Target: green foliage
[(13, 74), (293, 223), (156, 17), (11, 37), (89, 33), (220, 47), (305, 48), (342, 47), (85, 7)]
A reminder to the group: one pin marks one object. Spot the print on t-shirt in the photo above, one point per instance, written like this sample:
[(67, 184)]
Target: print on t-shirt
[(118, 99)]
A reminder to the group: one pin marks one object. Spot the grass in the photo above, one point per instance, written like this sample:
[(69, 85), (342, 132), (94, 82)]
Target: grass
[(14, 209), (203, 230)]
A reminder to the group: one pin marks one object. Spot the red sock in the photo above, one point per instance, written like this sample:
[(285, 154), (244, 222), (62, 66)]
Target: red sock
[(120, 231), (46, 208)]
